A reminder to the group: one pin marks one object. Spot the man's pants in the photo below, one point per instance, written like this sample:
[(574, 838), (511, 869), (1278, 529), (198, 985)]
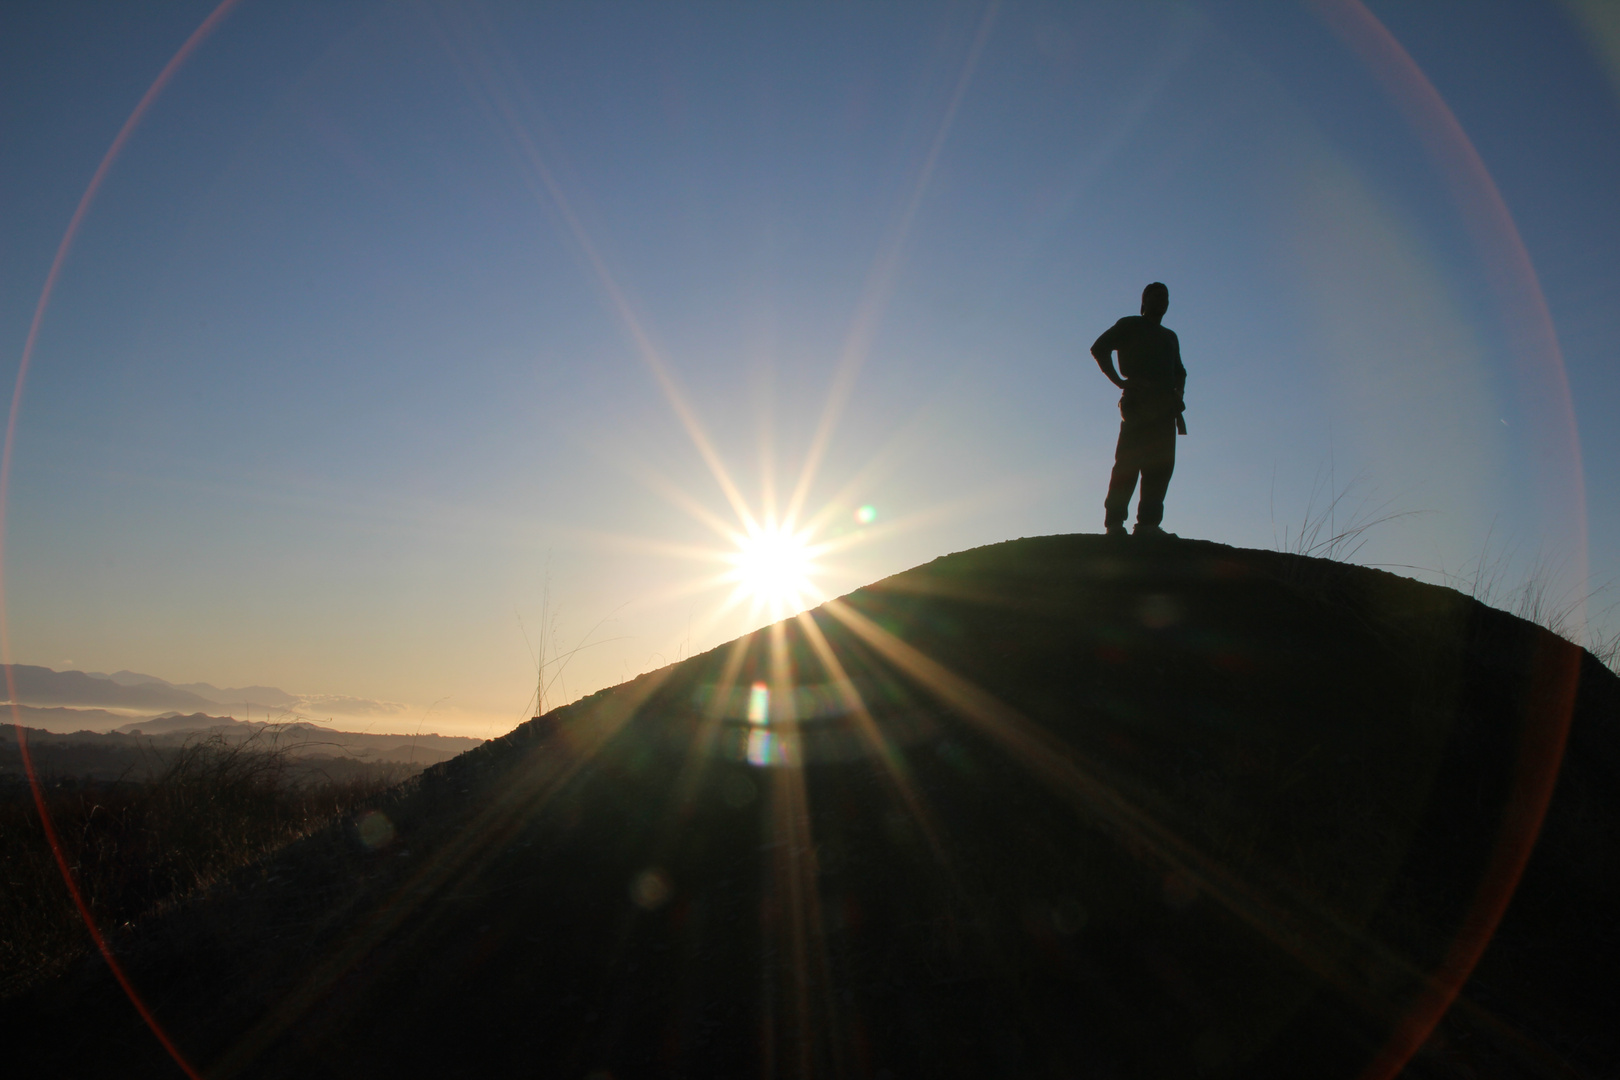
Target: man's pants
[(1147, 448)]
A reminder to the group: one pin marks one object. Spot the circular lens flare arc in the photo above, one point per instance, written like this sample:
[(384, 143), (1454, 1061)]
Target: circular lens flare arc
[(1513, 276), (197, 37)]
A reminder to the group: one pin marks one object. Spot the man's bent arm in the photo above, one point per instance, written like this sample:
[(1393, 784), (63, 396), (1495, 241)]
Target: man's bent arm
[(1181, 387), (1102, 350)]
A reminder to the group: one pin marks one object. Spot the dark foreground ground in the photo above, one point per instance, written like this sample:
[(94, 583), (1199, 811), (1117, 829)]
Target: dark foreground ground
[(1060, 807)]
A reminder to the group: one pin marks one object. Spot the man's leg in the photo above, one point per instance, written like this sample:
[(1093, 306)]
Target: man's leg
[(1122, 481), (1157, 454)]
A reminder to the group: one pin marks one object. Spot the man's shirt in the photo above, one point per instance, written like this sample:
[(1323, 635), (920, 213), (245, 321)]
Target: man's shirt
[(1150, 364), (1147, 351)]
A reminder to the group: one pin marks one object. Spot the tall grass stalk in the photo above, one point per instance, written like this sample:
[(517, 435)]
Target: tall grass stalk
[(1336, 521), (1539, 599), (1336, 528)]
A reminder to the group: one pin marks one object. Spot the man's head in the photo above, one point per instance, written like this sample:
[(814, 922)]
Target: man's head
[(1155, 301)]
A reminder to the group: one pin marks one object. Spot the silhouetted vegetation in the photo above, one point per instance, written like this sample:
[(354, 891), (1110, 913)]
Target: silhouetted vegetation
[(136, 846)]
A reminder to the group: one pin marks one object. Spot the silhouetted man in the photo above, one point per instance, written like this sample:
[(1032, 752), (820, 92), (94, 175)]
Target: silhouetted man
[(1153, 379)]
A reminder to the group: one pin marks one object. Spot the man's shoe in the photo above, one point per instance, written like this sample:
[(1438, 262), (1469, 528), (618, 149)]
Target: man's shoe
[(1114, 530), (1152, 532)]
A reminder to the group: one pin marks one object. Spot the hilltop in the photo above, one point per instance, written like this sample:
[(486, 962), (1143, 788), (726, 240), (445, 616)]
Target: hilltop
[(1061, 806)]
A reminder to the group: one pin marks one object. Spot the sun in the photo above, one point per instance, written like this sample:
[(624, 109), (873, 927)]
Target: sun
[(773, 566)]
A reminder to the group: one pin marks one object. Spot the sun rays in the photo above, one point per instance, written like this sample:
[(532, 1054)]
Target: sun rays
[(770, 560), (771, 556)]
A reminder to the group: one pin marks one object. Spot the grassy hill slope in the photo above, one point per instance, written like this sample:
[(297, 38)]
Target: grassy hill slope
[(1055, 807)]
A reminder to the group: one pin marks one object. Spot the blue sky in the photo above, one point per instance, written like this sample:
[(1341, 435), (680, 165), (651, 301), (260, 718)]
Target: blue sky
[(356, 355)]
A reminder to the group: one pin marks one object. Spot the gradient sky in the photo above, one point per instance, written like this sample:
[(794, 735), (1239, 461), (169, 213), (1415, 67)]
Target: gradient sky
[(388, 314)]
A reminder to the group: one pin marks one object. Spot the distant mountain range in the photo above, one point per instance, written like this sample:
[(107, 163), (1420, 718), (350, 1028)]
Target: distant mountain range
[(42, 686), (60, 718), (175, 723), (137, 692), (269, 696)]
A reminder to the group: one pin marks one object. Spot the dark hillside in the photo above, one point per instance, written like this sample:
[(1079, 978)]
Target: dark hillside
[(1058, 807)]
